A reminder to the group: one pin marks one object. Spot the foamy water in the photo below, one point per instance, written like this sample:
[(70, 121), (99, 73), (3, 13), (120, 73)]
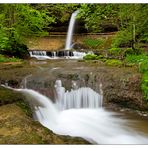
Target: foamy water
[(95, 125)]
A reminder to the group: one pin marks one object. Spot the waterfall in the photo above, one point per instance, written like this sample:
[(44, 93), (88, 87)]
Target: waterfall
[(98, 126), (40, 55), (70, 30), (83, 97)]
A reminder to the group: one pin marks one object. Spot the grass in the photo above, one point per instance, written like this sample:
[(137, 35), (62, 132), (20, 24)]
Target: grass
[(8, 59)]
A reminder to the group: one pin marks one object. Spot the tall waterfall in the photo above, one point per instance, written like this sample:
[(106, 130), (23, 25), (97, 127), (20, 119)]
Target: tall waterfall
[(70, 30)]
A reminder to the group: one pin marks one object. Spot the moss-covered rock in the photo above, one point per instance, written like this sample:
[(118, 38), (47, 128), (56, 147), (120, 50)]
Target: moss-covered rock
[(18, 128), (8, 96)]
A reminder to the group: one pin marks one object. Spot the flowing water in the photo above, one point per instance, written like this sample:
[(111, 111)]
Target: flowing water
[(70, 30), (96, 125), (74, 106), (42, 55)]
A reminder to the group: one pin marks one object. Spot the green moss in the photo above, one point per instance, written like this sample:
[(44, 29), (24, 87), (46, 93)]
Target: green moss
[(24, 105), (92, 57), (113, 62)]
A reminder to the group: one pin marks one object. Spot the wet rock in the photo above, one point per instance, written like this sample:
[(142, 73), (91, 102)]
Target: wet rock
[(18, 128)]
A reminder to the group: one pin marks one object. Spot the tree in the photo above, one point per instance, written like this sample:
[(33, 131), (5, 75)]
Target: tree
[(130, 19), (96, 16), (20, 21)]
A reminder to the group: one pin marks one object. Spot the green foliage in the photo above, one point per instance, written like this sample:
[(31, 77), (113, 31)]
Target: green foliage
[(93, 43), (113, 62), (144, 85), (136, 59), (130, 19), (5, 59), (129, 51), (143, 66), (142, 62), (18, 22), (92, 57), (115, 51), (96, 15), (17, 50), (122, 39)]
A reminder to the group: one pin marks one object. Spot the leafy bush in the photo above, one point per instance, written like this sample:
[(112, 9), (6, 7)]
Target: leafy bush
[(115, 51), (113, 62), (122, 39), (92, 57), (143, 66), (142, 61), (16, 50), (92, 43), (136, 58)]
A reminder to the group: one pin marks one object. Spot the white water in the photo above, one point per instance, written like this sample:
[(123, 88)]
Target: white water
[(70, 30), (40, 55), (83, 97), (96, 125)]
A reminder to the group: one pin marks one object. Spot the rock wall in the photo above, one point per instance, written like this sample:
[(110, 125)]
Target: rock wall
[(57, 41)]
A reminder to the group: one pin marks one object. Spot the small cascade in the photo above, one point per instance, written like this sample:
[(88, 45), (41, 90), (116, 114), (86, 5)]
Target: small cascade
[(83, 97), (66, 54), (54, 54), (40, 55)]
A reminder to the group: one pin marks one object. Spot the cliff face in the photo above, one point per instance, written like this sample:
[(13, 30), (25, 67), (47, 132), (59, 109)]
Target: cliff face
[(55, 42)]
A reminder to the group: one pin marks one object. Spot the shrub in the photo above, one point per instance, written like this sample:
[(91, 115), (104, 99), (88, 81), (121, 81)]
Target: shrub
[(115, 51), (143, 66), (142, 61), (16, 50), (136, 59), (122, 39)]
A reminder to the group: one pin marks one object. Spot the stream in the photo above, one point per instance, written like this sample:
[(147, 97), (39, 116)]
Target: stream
[(67, 98)]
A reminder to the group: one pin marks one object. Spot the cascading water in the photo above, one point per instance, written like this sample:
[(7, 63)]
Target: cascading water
[(95, 125), (40, 55), (83, 97), (70, 30)]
